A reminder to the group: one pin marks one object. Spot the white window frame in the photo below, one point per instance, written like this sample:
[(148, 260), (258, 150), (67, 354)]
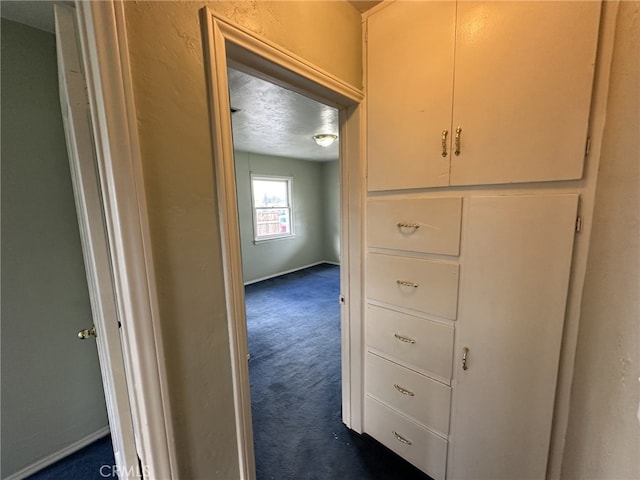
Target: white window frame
[(276, 236)]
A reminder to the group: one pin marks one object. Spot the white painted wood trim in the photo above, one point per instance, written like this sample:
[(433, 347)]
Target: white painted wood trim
[(85, 180), (283, 61), (222, 145), (227, 44), (59, 455), (105, 54), (352, 182)]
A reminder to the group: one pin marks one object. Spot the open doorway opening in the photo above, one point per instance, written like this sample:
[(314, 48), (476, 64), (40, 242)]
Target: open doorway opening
[(288, 198), (227, 45)]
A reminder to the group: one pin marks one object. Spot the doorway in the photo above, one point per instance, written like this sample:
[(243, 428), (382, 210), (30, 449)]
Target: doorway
[(227, 46), (289, 217)]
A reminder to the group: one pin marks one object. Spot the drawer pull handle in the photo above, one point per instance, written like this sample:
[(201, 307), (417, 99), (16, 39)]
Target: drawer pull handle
[(407, 284), (465, 351), (415, 226), (404, 339), (444, 142), (403, 391), (458, 132), (401, 439)]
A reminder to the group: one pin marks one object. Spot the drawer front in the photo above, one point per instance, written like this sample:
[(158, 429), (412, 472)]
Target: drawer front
[(416, 444), (421, 398), (414, 341), (429, 225), (424, 285)]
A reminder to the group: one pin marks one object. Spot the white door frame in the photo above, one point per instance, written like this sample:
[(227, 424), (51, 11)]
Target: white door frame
[(103, 42), (228, 44), (78, 132)]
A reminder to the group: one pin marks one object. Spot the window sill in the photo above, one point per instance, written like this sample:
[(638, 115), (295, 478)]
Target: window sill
[(273, 239)]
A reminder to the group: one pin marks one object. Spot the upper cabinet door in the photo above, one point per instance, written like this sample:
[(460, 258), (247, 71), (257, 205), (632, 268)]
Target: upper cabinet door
[(409, 92), (523, 81)]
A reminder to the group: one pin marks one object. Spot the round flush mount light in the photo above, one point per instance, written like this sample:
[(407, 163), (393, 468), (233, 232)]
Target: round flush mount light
[(325, 139)]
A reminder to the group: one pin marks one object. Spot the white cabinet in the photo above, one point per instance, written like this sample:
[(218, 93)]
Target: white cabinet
[(408, 107), (499, 333), (514, 283), (514, 105), (421, 398), (412, 302), (419, 343), (425, 285), (523, 82), (416, 444), (466, 280), (426, 225)]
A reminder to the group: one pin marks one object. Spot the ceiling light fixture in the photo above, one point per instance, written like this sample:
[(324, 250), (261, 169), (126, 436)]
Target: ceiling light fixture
[(325, 139)]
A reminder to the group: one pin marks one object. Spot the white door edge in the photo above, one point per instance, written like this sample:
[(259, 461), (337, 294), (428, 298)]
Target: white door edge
[(75, 113)]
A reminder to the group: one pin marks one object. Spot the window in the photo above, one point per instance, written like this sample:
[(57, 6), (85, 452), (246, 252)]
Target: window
[(272, 207)]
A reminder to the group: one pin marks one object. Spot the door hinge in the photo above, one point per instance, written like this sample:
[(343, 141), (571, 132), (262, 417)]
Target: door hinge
[(579, 224), (342, 300), (587, 147)]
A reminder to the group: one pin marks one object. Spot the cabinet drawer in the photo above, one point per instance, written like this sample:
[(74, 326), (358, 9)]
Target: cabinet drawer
[(416, 444), (425, 285), (412, 394), (414, 341), (429, 225)]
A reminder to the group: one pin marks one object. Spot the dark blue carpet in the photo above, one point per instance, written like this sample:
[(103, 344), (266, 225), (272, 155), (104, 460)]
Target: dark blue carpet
[(93, 462), (293, 323)]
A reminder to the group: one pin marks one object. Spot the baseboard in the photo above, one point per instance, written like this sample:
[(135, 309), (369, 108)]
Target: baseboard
[(59, 455), (289, 271)]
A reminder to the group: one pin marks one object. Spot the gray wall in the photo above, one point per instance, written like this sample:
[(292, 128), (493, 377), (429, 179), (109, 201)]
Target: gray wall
[(314, 216), (603, 439), (51, 389), (331, 199)]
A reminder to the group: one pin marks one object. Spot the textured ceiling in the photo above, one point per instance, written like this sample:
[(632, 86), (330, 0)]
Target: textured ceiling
[(274, 121)]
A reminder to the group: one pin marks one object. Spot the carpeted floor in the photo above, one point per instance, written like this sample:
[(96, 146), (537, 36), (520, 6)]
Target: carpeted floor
[(294, 341)]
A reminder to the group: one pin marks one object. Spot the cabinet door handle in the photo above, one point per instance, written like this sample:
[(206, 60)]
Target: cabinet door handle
[(465, 352), (458, 132), (415, 226), (401, 439), (404, 339), (407, 284), (403, 391), (444, 142)]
